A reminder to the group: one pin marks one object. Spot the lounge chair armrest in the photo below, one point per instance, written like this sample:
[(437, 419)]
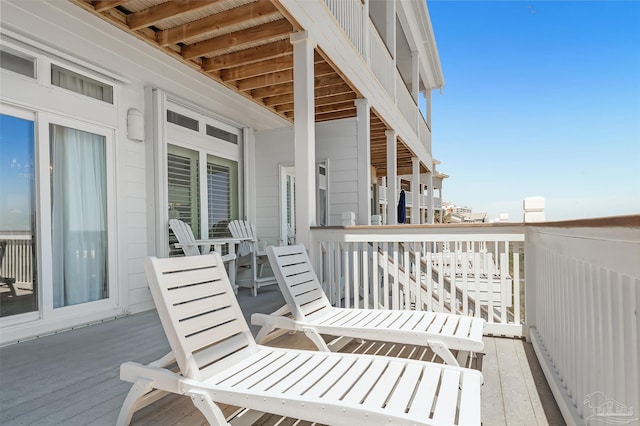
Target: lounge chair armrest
[(275, 321), (159, 378)]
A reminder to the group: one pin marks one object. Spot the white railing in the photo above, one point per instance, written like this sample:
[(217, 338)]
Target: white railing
[(424, 133), (406, 104), (583, 296), (18, 258), (417, 267), (381, 61), (382, 194), (350, 15)]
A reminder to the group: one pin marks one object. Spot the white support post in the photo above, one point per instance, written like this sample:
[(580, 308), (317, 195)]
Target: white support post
[(249, 184), (392, 178), (304, 136), (430, 215), (364, 161), (428, 108), (415, 191)]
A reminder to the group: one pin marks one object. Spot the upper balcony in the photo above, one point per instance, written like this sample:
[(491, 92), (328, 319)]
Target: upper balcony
[(245, 46)]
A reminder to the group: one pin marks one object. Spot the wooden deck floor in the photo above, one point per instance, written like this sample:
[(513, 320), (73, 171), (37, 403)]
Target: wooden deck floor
[(72, 378)]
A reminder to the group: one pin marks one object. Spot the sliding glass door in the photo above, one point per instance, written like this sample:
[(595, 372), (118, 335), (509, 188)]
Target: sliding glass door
[(78, 216), (18, 281)]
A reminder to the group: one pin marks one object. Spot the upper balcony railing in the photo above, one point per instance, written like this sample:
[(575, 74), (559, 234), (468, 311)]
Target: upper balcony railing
[(578, 302), (406, 104), (363, 34)]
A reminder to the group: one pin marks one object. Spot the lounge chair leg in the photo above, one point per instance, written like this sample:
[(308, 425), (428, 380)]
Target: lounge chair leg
[(139, 389), (316, 339), (443, 352), (263, 333), (208, 408)]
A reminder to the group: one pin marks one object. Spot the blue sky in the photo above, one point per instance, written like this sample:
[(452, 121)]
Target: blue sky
[(542, 98)]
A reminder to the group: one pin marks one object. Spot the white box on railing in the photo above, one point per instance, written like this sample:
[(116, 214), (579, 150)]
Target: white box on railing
[(348, 219), (533, 204), (534, 217)]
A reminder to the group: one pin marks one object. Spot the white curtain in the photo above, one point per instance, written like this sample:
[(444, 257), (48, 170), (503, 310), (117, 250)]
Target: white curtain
[(79, 216)]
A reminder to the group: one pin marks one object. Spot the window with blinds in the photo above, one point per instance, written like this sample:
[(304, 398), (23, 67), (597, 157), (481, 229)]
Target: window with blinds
[(219, 199), (183, 189)]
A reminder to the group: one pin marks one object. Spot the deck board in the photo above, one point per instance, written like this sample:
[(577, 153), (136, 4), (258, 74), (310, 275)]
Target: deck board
[(73, 377)]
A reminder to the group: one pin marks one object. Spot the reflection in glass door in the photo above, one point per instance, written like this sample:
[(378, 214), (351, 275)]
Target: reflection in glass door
[(18, 282)]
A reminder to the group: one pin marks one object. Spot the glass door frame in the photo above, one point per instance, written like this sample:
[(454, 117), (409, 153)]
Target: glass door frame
[(44, 212)]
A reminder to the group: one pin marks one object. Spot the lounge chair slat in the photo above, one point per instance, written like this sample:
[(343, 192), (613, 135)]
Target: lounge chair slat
[(313, 306), (426, 393), (386, 384), (206, 321), (476, 330), (299, 374), (304, 288), (299, 278), (445, 409), (200, 306), (265, 373), (436, 325), (311, 296), (352, 319), (426, 321), (450, 325), (469, 402), (217, 334), (214, 353), (314, 376), (401, 399), (197, 291), (361, 389), (330, 378), (413, 319), (353, 376), (464, 325), (279, 375)]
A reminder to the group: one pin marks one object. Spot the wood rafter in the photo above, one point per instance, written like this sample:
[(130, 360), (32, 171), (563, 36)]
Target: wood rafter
[(248, 56), (101, 6), (160, 12), (245, 14), (261, 33)]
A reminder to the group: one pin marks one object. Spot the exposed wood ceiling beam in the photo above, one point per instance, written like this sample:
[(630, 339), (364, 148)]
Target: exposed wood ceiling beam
[(257, 34), (248, 56), (240, 15), (324, 109), (280, 77), (321, 101), (101, 6), (278, 100), (265, 92), (332, 90), (258, 68), (336, 115), (154, 14)]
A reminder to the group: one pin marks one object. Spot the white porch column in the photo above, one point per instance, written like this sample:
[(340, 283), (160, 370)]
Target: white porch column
[(430, 215), (249, 173), (428, 98), (415, 191), (304, 136), (392, 178), (364, 162)]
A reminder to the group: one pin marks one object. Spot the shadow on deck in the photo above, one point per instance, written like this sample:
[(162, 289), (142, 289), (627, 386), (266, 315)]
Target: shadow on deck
[(73, 377)]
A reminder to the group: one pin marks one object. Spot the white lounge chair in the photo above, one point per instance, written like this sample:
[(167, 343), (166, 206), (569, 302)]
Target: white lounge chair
[(314, 315), (250, 254), (220, 363)]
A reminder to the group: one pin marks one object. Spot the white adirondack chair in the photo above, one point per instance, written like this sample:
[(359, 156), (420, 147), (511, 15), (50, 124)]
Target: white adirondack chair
[(251, 255), (314, 315), (220, 363), (190, 246)]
